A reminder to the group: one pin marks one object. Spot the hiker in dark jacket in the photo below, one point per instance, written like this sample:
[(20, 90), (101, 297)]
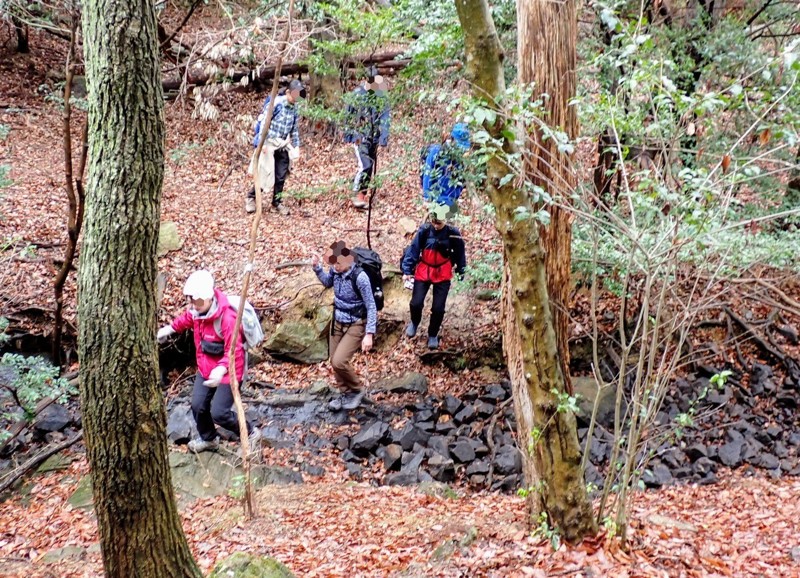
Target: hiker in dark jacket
[(436, 251), (355, 318), (366, 128)]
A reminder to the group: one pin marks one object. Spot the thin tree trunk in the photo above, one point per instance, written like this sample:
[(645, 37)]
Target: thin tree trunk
[(124, 419), (547, 437), (22, 35)]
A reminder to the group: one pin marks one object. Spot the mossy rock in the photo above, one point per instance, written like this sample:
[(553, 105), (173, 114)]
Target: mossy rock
[(243, 565)]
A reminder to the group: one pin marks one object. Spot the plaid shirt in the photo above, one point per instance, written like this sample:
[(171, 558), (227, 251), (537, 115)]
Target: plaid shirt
[(284, 121)]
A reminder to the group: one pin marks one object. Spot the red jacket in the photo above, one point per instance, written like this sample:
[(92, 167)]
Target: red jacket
[(204, 331), (433, 267)]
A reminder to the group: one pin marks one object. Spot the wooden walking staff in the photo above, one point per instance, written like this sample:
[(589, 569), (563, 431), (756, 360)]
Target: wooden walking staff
[(249, 503)]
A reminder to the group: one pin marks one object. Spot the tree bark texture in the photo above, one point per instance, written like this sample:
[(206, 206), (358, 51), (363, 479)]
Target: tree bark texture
[(547, 36), (531, 349), (124, 419)]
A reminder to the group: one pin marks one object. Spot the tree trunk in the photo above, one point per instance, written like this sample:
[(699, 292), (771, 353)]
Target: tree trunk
[(22, 35), (547, 33), (124, 419), (547, 437)]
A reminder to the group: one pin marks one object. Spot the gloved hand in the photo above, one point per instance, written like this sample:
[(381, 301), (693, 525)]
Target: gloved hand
[(164, 333), (215, 377)]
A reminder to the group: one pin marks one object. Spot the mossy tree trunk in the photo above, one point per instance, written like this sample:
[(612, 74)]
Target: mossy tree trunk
[(124, 419), (552, 461)]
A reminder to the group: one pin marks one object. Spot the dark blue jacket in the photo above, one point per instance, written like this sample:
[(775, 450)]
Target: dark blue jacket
[(367, 117)]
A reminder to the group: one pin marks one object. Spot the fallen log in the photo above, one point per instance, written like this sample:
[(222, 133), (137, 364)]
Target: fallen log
[(386, 61)]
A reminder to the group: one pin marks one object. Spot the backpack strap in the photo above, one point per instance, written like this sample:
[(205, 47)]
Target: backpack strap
[(357, 270), (218, 323)]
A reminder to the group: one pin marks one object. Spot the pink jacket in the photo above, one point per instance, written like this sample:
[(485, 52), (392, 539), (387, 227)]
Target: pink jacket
[(204, 331)]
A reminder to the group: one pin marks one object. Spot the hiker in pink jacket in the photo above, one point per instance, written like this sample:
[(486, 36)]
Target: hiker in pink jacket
[(209, 314)]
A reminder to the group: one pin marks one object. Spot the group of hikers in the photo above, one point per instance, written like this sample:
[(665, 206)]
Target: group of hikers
[(436, 254)]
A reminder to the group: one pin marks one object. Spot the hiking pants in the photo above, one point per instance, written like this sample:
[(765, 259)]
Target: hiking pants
[(281, 171), (214, 405), (345, 340), (440, 291), (366, 155)]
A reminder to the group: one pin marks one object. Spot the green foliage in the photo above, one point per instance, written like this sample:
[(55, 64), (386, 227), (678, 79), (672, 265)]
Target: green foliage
[(565, 402), (182, 152), (5, 130), (5, 181), (547, 532), (34, 379)]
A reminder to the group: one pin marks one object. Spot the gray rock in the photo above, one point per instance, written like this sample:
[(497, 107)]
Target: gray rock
[(786, 398), (54, 417), (349, 456), (703, 466), (410, 435), (789, 465), (300, 340), (780, 450), (774, 431), (401, 478), (477, 480), (392, 454), (477, 467), (696, 451), (442, 469), (507, 484), (587, 390), (180, 424), (494, 393), (462, 451), (508, 461), (369, 437), (466, 415), (440, 444), (408, 383), (445, 427), (794, 438), (168, 238), (730, 453), (769, 462), (657, 476), (245, 565), (673, 458), (451, 404), (353, 470), (598, 451), (484, 409)]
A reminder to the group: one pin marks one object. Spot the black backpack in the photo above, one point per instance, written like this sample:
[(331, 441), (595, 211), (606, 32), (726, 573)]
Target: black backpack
[(370, 262)]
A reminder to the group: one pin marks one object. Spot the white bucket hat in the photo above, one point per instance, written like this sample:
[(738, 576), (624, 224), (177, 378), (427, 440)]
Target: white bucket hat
[(199, 285)]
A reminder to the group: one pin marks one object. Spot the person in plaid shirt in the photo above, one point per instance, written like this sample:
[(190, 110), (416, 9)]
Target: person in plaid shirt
[(281, 147)]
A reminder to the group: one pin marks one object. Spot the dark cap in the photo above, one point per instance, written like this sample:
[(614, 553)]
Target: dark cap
[(296, 84)]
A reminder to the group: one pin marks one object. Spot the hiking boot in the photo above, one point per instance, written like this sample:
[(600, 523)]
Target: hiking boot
[(335, 404), (352, 399), (360, 201), (250, 205), (411, 330), (282, 210), (200, 445), (433, 342)]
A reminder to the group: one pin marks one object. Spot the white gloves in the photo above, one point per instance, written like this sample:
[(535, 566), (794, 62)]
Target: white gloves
[(215, 377), (164, 333), (294, 153)]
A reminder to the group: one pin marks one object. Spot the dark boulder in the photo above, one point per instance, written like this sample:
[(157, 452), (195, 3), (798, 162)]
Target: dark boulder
[(441, 468)]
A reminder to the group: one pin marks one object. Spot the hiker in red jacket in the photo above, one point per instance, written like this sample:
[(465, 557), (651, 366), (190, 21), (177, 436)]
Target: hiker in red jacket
[(209, 314), (436, 251)]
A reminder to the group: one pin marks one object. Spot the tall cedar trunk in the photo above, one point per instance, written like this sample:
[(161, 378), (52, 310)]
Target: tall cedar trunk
[(124, 420), (547, 33), (531, 342)]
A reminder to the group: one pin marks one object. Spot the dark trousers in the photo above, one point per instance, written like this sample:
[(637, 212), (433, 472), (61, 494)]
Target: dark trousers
[(281, 172), (366, 154), (214, 405), (440, 291)]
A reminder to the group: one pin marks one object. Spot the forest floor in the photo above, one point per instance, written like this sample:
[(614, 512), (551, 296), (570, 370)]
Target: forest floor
[(743, 526)]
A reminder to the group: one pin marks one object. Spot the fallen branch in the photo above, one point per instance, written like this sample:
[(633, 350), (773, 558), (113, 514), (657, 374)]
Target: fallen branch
[(288, 264), (789, 363), (490, 440), (17, 473)]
